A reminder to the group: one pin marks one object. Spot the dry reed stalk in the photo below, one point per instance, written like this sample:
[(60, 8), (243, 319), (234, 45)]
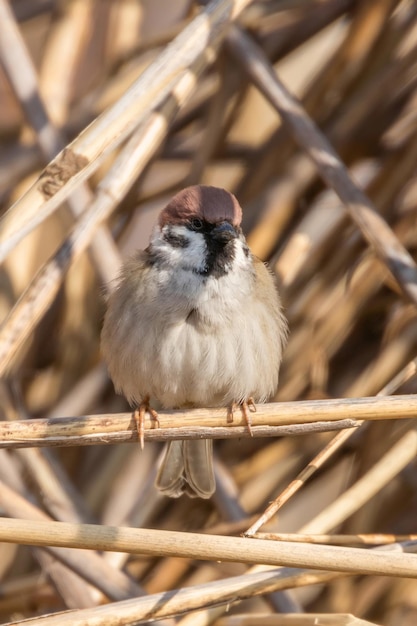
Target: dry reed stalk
[(369, 23), (90, 567), (130, 162), (327, 452), (357, 44), (182, 600), (333, 312), (350, 327), (351, 500), (70, 34), (22, 75), (367, 486), (83, 156), (207, 547), (394, 461), (373, 227), (185, 424), (330, 449)]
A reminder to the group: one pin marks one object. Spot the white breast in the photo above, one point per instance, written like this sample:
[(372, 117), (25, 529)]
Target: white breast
[(189, 341)]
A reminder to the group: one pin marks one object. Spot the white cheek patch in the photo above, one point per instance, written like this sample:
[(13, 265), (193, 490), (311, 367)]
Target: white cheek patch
[(189, 257), (243, 259)]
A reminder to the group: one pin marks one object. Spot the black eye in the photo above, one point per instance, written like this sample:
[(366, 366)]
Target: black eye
[(196, 224)]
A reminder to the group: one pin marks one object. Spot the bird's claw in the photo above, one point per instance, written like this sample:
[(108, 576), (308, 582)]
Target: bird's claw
[(139, 416), (247, 407)]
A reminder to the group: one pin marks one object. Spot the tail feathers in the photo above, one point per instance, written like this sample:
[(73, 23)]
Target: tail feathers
[(187, 468)]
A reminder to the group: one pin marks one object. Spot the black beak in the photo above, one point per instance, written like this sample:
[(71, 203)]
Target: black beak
[(224, 232)]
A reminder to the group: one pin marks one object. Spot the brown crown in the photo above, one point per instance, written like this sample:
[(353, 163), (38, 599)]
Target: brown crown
[(209, 203)]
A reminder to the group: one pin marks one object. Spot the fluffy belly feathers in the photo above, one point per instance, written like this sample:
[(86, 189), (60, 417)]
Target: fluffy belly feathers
[(186, 366)]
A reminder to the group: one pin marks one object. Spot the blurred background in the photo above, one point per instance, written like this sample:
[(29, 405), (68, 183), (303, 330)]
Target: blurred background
[(353, 65)]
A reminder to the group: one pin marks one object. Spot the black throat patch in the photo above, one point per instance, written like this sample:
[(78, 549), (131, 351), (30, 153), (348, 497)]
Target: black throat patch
[(219, 257)]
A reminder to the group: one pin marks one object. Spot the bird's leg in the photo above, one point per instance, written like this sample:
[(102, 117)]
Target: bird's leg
[(247, 406), (139, 416)]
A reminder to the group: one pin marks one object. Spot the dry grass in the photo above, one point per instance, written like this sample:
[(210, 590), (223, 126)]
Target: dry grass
[(305, 110)]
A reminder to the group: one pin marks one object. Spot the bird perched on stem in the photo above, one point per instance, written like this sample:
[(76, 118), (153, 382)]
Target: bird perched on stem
[(195, 320)]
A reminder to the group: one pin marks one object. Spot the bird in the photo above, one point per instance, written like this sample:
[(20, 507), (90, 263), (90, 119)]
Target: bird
[(194, 320)]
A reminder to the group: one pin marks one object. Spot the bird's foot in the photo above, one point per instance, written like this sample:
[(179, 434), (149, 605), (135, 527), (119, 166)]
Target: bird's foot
[(247, 407), (139, 416)]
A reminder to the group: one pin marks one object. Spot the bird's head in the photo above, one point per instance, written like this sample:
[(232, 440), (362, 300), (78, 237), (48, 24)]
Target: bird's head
[(199, 230)]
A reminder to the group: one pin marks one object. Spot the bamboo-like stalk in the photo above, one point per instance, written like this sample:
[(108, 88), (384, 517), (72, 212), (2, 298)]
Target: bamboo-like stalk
[(296, 484), (207, 547), (207, 423)]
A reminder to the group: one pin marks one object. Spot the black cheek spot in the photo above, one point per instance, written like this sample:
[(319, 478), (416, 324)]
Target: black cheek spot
[(175, 240)]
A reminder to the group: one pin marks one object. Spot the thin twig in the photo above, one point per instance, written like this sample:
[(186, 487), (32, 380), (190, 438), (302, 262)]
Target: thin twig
[(294, 486), (333, 445), (293, 619)]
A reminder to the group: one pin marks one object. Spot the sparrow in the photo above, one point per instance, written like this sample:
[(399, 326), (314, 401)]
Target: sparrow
[(194, 320)]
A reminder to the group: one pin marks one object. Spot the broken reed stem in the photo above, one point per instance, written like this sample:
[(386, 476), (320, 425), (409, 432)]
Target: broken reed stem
[(270, 420), (158, 543)]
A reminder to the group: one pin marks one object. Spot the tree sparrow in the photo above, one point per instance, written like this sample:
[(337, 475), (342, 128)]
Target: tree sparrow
[(195, 320)]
